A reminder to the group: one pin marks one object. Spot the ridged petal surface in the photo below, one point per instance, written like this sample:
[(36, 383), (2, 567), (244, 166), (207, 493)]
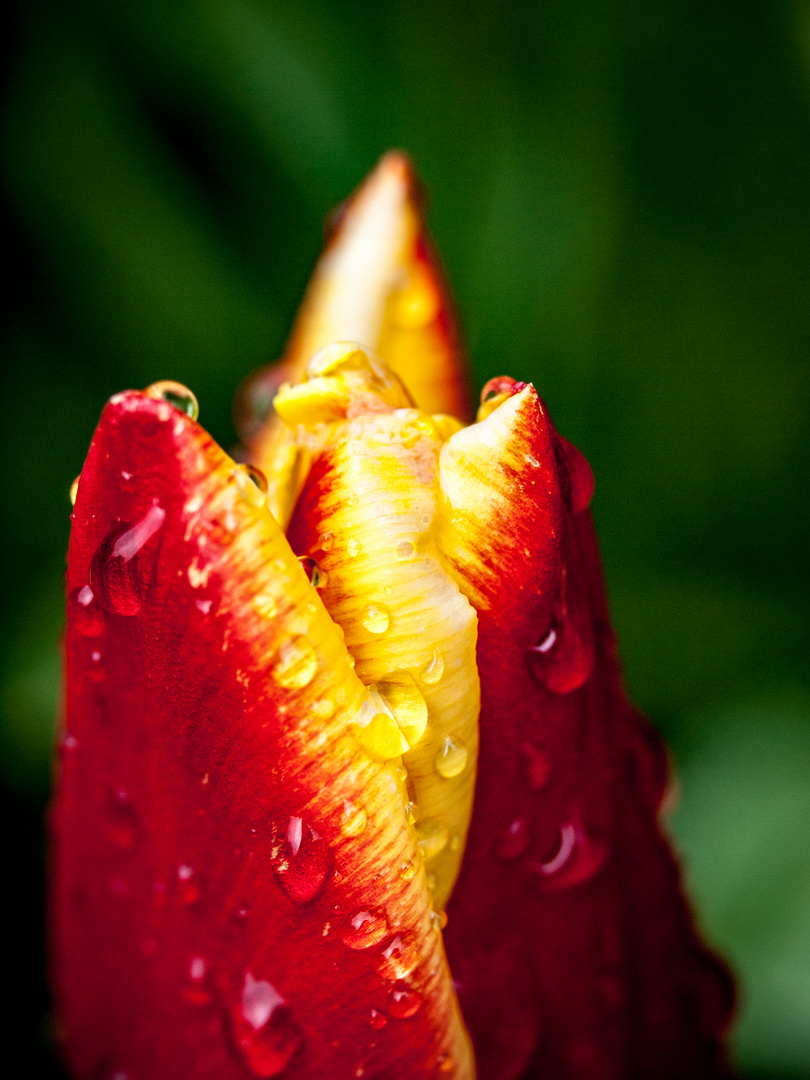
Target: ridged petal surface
[(233, 891), (570, 941)]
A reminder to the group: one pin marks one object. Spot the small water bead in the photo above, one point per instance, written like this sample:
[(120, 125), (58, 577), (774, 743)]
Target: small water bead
[(438, 919), (433, 670), (84, 612), (407, 870), (265, 604), (377, 1020), (364, 928), (96, 670), (203, 606), (315, 572), (117, 578), (451, 758), (74, 490), (403, 1001), (196, 990), (353, 547), (353, 819), (68, 745), (411, 811), (296, 665), (445, 1063), (377, 618), (404, 550), (432, 834), (264, 1029), (303, 862), (514, 840), (251, 484), (188, 884), (398, 957), (177, 395)]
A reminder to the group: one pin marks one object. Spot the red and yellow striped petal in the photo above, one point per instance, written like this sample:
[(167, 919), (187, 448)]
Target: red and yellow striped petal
[(366, 516), (377, 283), (233, 888)]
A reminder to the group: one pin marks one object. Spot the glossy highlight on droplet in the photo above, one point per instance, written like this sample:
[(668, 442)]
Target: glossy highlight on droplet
[(404, 1002), (296, 665), (376, 618), (451, 758), (119, 579), (364, 928), (84, 612), (303, 862), (433, 669), (177, 395), (398, 957), (264, 1029)]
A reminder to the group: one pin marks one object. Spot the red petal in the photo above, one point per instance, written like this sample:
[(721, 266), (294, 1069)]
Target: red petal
[(227, 863), (571, 943)]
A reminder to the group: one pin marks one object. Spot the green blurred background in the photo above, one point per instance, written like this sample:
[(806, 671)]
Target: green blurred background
[(622, 196)]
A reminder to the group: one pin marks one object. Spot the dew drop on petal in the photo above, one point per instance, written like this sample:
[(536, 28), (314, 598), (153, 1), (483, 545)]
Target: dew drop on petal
[(432, 834), (118, 578), (177, 395), (251, 484), (377, 618), (265, 604), (188, 884), (314, 571), (411, 813), (407, 870), (398, 957), (433, 670), (451, 758), (196, 990), (353, 819), (364, 928), (303, 862), (404, 550), (84, 612), (438, 919), (74, 490), (296, 665), (377, 1020), (577, 859), (353, 547), (409, 708), (95, 669), (265, 1032), (403, 1002), (445, 1063), (514, 840)]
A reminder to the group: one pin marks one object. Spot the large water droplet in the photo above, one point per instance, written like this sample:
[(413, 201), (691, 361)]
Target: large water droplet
[(404, 699), (432, 834), (314, 571), (296, 665), (84, 612), (177, 395), (119, 576), (377, 618), (577, 859), (364, 928), (303, 862), (398, 957), (264, 1029), (451, 758), (403, 1001)]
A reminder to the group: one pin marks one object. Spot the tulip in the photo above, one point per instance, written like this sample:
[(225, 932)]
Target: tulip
[(349, 785)]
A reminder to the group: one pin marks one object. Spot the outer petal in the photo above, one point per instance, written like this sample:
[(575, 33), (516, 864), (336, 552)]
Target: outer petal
[(569, 938), (378, 283), (233, 891)]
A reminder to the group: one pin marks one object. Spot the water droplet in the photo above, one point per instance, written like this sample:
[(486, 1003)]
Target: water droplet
[(68, 745), (514, 840), (203, 606), (411, 813), (264, 1030), (251, 484), (563, 658), (538, 766), (353, 819), (377, 1020), (432, 834), (188, 884), (84, 612), (177, 395), (195, 990), (303, 862), (266, 605), (404, 699), (365, 928), (296, 665), (377, 618), (315, 573), (403, 1002), (407, 870), (445, 1063), (123, 826), (577, 859), (326, 541), (404, 550), (118, 577), (377, 731), (96, 669), (438, 919), (547, 642), (398, 957), (451, 758), (353, 547), (74, 490), (433, 670)]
